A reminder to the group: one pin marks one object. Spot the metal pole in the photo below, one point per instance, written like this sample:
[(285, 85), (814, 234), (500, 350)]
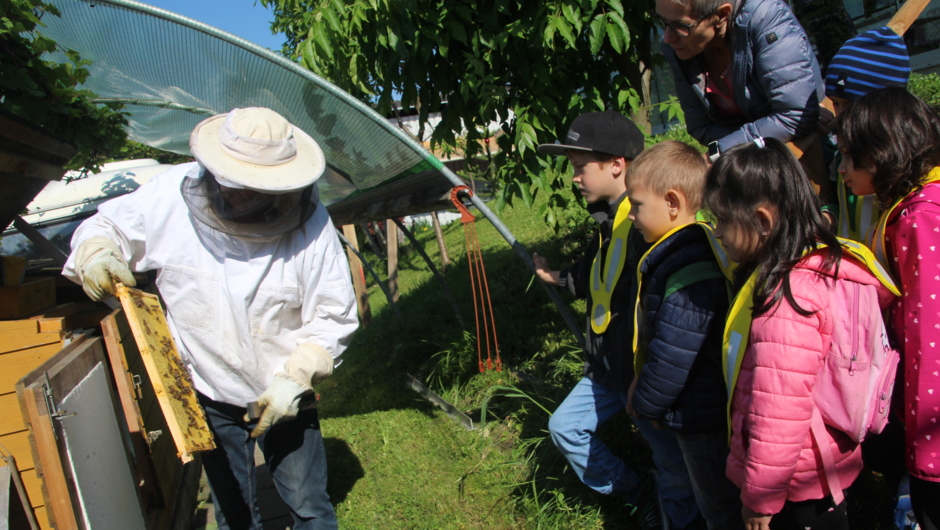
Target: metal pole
[(440, 278), (523, 253), (50, 250), (371, 271)]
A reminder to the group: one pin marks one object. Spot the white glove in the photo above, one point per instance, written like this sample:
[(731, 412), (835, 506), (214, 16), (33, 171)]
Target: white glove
[(281, 401), (308, 364), (100, 265)]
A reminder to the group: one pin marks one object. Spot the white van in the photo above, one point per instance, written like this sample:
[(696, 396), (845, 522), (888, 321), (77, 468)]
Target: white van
[(62, 205)]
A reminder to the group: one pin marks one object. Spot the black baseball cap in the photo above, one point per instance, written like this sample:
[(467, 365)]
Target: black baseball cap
[(607, 132)]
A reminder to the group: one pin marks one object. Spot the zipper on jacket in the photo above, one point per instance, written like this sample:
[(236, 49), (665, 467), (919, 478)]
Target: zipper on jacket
[(855, 317)]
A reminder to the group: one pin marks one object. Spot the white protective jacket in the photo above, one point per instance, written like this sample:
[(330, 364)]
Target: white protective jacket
[(237, 308)]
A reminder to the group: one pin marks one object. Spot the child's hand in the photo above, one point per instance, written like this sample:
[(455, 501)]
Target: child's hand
[(542, 271), (754, 520), (630, 392)]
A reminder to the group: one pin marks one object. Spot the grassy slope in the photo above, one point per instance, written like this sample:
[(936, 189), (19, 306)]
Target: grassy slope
[(398, 462)]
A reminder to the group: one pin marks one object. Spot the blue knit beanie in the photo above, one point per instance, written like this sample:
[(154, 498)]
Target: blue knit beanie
[(875, 59)]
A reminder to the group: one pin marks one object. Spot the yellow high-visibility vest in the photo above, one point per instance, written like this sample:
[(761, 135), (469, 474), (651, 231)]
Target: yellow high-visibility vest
[(740, 316)]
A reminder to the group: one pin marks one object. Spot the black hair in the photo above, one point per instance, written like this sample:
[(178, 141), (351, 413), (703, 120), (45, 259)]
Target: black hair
[(747, 177), (894, 134)]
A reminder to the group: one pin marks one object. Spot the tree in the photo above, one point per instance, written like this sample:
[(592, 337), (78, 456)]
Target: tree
[(534, 65), (45, 93)]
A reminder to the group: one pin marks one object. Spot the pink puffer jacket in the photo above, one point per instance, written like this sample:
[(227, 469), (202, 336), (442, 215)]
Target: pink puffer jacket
[(773, 457)]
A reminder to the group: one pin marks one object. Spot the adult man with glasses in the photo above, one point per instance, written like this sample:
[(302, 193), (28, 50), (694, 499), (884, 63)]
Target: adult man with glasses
[(743, 69)]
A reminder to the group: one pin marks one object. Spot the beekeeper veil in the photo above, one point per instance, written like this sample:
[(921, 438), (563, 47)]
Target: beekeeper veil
[(257, 174)]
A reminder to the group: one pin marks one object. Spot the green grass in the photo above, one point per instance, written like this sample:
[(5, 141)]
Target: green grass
[(396, 461)]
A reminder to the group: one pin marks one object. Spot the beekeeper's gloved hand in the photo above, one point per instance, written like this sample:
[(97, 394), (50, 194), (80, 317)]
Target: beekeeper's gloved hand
[(309, 364), (279, 402), (100, 265)]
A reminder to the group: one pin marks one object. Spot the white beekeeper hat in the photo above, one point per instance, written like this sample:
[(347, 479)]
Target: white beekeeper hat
[(256, 148)]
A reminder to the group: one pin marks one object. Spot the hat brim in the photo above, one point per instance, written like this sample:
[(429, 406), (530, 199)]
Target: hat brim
[(560, 149), (299, 173)]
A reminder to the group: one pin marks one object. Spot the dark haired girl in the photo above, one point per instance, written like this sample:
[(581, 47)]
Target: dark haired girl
[(890, 142), (781, 327)]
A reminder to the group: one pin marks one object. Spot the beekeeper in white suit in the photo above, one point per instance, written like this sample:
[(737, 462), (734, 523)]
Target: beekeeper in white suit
[(257, 291)]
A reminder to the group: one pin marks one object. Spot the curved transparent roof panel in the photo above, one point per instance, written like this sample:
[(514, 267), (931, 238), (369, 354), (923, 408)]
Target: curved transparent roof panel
[(171, 72)]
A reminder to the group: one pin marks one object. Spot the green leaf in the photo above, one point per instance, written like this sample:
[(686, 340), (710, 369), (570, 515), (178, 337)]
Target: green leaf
[(525, 192), (571, 13), (457, 31), (332, 18), (393, 40), (548, 36), (624, 30), (598, 31), (323, 40), (308, 55), (565, 29), (616, 6), (614, 35)]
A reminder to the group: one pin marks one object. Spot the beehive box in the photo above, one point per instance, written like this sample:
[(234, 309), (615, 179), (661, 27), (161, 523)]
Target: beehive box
[(165, 484), (24, 345), (30, 297)]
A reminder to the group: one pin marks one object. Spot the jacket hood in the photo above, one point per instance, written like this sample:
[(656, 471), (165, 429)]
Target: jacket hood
[(850, 268)]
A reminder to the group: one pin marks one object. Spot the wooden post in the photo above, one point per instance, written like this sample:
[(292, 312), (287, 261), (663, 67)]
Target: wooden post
[(359, 279), (391, 239), (445, 260), (905, 17)]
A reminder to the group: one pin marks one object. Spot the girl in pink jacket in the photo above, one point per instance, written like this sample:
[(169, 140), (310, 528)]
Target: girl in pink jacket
[(769, 222), (890, 141)]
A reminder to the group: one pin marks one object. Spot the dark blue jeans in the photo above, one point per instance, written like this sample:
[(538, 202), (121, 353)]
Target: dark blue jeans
[(706, 456), (573, 426), (293, 451)]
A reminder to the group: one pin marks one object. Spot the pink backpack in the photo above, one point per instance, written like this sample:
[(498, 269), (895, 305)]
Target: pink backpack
[(854, 386)]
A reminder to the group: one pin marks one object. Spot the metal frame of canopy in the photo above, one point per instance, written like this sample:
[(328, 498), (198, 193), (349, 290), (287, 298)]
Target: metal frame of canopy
[(58, 30)]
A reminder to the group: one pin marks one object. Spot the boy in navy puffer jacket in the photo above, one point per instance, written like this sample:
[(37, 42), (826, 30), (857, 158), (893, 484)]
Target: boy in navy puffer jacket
[(683, 301)]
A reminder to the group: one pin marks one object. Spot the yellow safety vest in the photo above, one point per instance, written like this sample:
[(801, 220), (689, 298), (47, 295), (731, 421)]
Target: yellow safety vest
[(602, 286), (721, 257), (738, 325), (857, 213), (878, 238)]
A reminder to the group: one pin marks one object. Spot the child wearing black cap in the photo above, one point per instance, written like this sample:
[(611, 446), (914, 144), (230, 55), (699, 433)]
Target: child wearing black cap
[(600, 147)]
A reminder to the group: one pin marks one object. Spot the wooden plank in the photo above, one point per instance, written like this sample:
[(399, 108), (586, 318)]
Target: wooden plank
[(905, 17), (115, 329), (391, 241), (15, 365), (51, 325), (55, 491), (33, 485), (359, 280), (18, 445), (123, 382), (15, 341), (439, 235), (42, 518), (171, 381), (13, 326), (10, 418)]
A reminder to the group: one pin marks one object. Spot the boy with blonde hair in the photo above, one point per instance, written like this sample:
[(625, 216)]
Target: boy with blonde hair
[(601, 147), (683, 300)]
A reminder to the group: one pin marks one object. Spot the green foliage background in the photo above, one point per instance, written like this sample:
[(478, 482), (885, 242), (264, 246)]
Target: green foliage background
[(47, 94), (927, 88), (531, 65)]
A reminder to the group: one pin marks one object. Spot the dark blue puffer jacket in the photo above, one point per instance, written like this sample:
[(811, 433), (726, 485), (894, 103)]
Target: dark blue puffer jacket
[(681, 383), (775, 77)]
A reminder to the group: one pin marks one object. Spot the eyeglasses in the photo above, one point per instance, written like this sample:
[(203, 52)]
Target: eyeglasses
[(679, 28)]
